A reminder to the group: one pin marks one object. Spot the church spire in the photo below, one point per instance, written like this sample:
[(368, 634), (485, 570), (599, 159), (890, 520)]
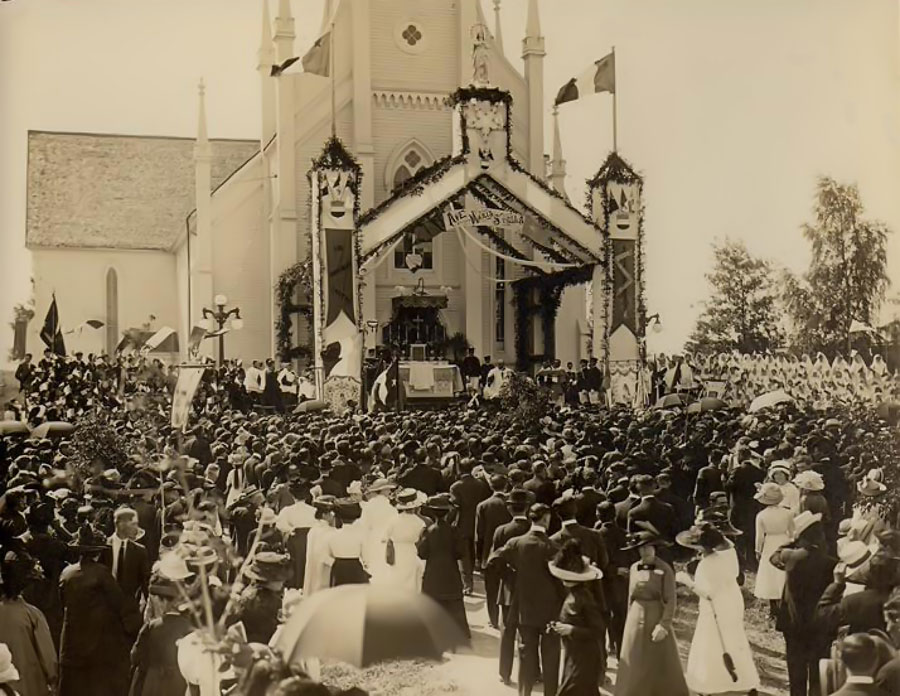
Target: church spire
[(557, 164), (533, 23), (202, 146), (284, 32), (266, 50), (267, 82), (498, 29)]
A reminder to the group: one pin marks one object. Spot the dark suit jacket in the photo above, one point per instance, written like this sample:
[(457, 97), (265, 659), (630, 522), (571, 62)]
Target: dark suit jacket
[(468, 492), (591, 542), (512, 529), (134, 573), (888, 677), (622, 510), (709, 479), (538, 594), (861, 611), (586, 502), (423, 478), (661, 515), (440, 547), (807, 575), (99, 624), (544, 490), (490, 514), (683, 512)]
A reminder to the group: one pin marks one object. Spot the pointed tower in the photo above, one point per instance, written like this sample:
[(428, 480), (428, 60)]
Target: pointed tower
[(498, 29), (533, 54), (201, 244), (284, 32), (557, 164), (266, 59)]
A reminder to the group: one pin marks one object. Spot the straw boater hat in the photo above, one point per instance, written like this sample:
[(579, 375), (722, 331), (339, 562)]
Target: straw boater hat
[(409, 499), (441, 501), (809, 481), (805, 520), (587, 574), (782, 466), (380, 484), (854, 554), (872, 484), (769, 494)]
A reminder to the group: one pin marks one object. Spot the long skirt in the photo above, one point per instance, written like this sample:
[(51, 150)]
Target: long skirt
[(296, 548), (348, 571), (582, 667), (647, 668)]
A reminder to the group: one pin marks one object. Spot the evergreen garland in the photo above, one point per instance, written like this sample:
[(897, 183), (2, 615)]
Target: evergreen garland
[(294, 278)]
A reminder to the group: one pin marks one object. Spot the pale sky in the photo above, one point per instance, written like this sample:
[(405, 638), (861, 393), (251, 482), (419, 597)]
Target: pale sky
[(729, 109)]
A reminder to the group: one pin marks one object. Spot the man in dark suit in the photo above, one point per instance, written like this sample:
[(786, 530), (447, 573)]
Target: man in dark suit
[(709, 480), (127, 559), (538, 601), (540, 484), (615, 582), (624, 506), (99, 626), (467, 492), (683, 514), (588, 498), (860, 655), (421, 476), (490, 514), (661, 515), (518, 501), (741, 487)]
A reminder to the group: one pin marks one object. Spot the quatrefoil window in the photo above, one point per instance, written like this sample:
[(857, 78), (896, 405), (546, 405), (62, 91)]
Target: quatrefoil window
[(412, 35)]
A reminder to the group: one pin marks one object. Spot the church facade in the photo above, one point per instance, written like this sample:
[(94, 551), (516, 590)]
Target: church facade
[(434, 255)]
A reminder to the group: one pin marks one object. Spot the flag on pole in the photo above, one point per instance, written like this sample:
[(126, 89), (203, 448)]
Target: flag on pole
[(318, 58), (387, 390), (198, 333), (51, 334), (599, 77)]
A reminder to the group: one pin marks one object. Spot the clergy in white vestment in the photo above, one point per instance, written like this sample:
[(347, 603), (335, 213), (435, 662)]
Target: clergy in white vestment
[(497, 377)]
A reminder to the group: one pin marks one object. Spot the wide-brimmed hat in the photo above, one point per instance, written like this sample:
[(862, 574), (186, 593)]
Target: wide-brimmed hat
[(853, 553), (409, 499), (805, 520), (782, 466), (347, 509), (703, 535), (8, 671), (268, 566), (719, 520), (380, 484), (88, 539), (809, 481), (172, 566), (441, 501), (647, 534), (590, 572), (872, 484), (324, 503), (769, 494)]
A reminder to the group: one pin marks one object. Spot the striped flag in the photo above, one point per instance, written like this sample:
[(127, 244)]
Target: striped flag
[(599, 77), (318, 58)]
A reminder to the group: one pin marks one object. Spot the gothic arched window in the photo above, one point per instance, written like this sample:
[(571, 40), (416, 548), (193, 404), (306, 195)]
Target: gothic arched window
[(410, 162)]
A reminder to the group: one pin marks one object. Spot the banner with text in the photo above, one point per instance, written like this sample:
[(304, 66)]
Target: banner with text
[(488, 217), (188, 381)]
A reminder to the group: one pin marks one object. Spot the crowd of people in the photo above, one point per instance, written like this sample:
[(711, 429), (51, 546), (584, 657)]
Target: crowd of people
[(581, 527)]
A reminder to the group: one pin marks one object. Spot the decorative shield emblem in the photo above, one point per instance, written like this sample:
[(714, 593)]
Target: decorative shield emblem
[(414, 261)]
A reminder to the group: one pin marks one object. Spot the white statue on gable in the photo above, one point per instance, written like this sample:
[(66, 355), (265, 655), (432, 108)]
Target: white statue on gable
[(337, 201), (480, 76)]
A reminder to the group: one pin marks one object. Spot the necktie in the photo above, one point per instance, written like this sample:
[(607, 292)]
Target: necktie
[(646, 566), (120, 560)]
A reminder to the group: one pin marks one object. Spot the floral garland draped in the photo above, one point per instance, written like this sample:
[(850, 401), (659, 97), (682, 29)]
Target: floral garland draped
[(293, 279)]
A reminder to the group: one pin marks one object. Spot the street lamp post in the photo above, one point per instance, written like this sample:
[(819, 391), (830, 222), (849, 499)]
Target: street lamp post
[(221, 316)]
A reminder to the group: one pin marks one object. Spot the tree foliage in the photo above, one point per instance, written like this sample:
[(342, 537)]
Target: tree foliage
[(847, 275), (525, 401), (743, 311)]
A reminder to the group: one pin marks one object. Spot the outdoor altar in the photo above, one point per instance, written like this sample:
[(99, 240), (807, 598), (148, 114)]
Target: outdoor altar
[(430, 382)]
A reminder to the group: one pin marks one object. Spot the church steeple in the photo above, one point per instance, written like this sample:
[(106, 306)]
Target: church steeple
[(557, 164), (266, 60), (201, 148), (284, 32), (498, 29), (201, 279), (533, 54)]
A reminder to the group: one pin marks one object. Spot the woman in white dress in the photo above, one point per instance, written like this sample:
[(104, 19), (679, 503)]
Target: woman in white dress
[(774, 527), (780, 474), (404, 565), (317, 572), (378, 513), (720, 623)]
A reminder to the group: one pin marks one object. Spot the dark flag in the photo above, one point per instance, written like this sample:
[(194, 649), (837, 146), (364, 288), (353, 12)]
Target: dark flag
[(51, 334), (388, 391)]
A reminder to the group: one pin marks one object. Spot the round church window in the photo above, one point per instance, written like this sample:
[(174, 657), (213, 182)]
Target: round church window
[(410, 37)]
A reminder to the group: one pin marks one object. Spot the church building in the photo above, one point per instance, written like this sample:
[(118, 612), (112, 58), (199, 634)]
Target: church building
[(398, 194)]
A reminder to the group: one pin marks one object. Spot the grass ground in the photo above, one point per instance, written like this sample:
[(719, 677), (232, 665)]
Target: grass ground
[(473, 672)]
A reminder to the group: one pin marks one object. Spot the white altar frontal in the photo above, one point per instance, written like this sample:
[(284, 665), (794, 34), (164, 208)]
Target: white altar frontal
[(430, 381)]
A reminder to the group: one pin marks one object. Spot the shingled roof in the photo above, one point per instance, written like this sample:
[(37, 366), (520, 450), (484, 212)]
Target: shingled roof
[(92, 190)]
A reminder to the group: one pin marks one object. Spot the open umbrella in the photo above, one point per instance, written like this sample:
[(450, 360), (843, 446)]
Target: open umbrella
[(365, 624), (707, 403), (310, 406), (13, 427), (772, 398), (669, 401), (51, 429)]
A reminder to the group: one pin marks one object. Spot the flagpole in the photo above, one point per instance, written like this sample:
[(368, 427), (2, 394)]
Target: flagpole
[(615, 109), (333, 71)]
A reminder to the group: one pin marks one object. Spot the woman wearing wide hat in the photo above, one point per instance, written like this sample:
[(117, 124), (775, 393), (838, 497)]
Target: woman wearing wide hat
[(780, 474), (403, 565), (774, 527), (648, 661), (720, 660), (581, 623)]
